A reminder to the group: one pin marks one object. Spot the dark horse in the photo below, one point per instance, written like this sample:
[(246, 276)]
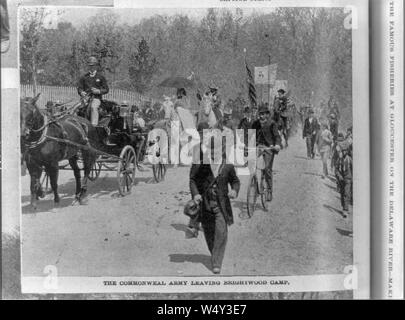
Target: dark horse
[(46, 142)]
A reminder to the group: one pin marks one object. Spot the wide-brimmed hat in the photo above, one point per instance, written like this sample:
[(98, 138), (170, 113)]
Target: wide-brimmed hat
[(213, 86), (191, 208), (340, 137), (92, 61), (344, 145), (281, 91)]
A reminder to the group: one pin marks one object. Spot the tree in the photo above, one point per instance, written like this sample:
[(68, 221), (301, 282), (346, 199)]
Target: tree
[(142, 67), (32, 31), (102, 37)]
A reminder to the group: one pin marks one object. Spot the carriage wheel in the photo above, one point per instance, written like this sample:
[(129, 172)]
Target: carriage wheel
[(159, 171), (95, 171), (252, 193), (126, 170)]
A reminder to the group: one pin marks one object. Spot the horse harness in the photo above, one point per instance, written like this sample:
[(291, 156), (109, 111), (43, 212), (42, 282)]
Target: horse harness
[(65, 138)]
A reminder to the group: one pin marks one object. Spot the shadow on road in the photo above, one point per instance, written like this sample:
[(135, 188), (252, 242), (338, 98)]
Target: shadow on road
[(346, 233), (330, 187), (301, 158), (179, 227), (103, 186), (313, 174), (334, 210), (194, 258)]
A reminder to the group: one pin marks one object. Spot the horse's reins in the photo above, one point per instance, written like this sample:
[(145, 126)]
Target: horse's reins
[(42, 138), (44, 135)]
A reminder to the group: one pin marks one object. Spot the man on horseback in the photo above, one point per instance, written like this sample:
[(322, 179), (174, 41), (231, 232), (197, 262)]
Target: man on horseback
[(93, 85), (280, 106), (216, 98)]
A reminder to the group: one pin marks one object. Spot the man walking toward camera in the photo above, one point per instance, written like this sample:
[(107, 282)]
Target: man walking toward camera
[(209, 188), (310, 132)]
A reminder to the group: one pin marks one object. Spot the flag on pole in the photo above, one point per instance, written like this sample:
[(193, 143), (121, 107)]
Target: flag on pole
[(266, 75), (251, 86)]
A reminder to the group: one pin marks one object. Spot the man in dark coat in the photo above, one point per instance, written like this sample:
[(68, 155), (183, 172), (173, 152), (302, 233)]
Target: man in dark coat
[(245, 124), (309, 133), (209, 187), (344, 172), (93, 83), (333, 126), (267, 135), (280, 106), (334, 129)]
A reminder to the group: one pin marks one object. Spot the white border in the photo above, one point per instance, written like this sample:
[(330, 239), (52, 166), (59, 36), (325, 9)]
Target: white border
[(361, 225)]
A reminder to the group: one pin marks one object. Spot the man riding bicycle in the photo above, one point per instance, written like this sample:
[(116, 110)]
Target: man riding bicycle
[(268, 143), (94, 85)]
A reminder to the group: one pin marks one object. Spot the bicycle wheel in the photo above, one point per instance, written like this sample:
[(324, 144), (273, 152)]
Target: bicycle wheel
[(263, 191), (252, 196)]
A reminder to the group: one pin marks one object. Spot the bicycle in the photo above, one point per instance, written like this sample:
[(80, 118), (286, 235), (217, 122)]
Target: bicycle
[(258, 185)]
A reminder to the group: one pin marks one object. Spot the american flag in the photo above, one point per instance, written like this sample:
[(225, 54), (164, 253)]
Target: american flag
[(251, 86)]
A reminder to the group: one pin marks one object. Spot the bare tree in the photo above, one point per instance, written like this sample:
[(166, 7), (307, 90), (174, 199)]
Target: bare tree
[(32, 30)]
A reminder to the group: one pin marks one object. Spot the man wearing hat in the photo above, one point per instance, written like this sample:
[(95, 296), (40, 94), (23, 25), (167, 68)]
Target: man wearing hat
[(93, 84), (209, 188), (245, 124), (267, 136), (344, 172), (309, 133), (227, 121), (334, 129), (213, 89)]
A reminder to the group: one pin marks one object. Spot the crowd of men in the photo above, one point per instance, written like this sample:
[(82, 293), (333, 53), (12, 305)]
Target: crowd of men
[(210, 204)]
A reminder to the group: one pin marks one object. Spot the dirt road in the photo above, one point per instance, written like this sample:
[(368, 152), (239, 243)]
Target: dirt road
[(143, 234)]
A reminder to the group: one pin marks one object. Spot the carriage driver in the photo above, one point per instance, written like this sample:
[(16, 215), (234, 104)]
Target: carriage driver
[(93, 83)]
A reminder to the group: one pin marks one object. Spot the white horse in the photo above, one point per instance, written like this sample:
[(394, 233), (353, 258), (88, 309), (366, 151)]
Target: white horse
[(206, 113)]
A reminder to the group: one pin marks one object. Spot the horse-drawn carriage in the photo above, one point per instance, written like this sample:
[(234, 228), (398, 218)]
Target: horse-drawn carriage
[(69, 142)]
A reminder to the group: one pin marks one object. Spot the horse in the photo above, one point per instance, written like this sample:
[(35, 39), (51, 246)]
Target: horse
[(47, 142), (208, 114)]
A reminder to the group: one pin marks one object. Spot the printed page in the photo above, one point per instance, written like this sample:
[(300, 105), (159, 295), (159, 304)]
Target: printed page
[(189, 148)]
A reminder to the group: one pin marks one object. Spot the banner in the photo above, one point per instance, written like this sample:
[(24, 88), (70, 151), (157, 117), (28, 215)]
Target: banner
[(266, 74)]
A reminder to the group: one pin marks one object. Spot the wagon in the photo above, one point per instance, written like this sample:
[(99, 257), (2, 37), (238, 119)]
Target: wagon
[(122, 150)]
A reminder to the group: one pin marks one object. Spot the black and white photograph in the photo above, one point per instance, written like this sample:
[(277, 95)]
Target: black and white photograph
[(218, 148)]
